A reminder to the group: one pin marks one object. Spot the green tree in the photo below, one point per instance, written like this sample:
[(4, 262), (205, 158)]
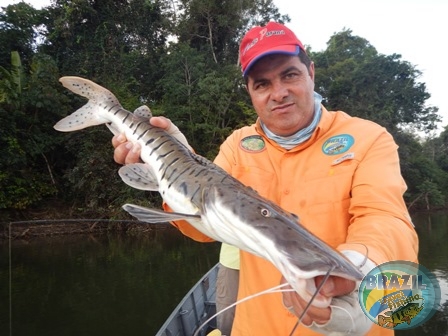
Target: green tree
[(215, 27), (439, 150), (20, 30), (426, 181), (12, 81), (352, 76), (109, 41), (26, 173), (204, 101)]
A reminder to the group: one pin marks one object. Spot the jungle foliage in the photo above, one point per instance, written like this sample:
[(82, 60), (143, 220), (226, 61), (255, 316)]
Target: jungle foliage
[(180, 57)]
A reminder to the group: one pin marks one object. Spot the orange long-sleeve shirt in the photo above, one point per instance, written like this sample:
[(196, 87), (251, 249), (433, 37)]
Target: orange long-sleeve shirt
[(345, 185)]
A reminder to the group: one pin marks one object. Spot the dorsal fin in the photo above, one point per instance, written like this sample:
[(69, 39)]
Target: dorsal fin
[(143, 112)]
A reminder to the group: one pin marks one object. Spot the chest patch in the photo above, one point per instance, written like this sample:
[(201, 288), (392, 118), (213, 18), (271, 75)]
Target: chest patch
[(253, 144), (338, 144)]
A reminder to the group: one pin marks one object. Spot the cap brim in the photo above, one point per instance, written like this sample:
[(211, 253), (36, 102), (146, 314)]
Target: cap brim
[(292, 50)]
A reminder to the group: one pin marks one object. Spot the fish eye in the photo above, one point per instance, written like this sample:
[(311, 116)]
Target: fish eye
[(265, 213)]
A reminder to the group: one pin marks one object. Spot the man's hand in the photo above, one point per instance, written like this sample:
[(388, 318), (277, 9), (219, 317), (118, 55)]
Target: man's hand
[(334, 286), (126, 152)]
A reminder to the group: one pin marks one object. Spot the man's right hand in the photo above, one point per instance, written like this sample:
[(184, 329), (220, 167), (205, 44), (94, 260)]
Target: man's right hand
[(126, 152)]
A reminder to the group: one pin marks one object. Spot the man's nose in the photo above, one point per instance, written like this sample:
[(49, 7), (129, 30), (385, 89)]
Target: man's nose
[(279, 91)]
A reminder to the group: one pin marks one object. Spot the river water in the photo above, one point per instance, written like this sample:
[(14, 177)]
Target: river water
[(128, 284)]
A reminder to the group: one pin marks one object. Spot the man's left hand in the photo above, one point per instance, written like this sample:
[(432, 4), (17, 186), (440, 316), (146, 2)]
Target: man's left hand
[(334, 286)]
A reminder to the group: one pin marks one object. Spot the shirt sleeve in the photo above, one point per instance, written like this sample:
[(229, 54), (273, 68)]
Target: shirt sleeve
[(380, 225)]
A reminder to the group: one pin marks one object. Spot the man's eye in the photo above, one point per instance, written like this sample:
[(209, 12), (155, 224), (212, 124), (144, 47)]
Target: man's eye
[(260, 86), (291, 75)]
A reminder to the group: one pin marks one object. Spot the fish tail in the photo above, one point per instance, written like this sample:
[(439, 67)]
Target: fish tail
[(100, 99), (83, 87)]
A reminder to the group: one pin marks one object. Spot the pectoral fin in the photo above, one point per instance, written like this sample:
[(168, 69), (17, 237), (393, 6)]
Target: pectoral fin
[(139, 176), (154, 215)]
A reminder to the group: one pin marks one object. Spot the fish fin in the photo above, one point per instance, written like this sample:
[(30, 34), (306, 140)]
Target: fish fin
[(87, 115), (143, 112), (139, 176), (154, 215), (82, 118)]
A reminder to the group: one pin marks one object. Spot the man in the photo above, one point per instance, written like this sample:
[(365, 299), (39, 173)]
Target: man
[(339, 174)]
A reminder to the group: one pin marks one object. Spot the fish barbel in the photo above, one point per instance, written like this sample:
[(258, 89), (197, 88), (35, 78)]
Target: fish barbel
[(206, 196)]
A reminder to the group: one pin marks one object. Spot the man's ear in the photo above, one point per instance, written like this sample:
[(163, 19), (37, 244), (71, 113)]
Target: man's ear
[(311, 71)]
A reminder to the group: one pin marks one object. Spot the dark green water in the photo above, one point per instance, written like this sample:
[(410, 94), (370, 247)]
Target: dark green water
[(432, 230), (98, 285), (127, 285)]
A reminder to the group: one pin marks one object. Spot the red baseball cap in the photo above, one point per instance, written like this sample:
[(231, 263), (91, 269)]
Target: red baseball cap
[(274, 38)]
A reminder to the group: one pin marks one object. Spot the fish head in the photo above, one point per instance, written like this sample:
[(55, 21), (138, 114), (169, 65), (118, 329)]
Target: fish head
[(265, 229)]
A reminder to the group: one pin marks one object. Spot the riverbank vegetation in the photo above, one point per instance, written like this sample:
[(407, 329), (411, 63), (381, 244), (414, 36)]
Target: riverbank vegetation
[(180, 59)]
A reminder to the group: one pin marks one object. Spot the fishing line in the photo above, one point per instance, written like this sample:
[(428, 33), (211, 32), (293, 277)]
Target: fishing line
[(327, 275), (276, 289), (279, 289), (10, 281), (366, 257)]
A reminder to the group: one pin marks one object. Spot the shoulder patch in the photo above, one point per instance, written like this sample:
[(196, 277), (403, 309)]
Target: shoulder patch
[(338, 144), (253, 144)]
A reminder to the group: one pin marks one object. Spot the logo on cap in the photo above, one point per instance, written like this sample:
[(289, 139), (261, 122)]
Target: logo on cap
[(263, 33), (274, 38)]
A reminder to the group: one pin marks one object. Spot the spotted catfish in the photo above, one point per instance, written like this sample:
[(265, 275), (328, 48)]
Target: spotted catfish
[(206, 196)]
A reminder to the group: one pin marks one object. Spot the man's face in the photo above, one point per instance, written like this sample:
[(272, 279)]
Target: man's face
[(282, 93)]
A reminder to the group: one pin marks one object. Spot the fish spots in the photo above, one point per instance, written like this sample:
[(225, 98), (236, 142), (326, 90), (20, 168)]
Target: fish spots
[(138, 180), (126, 117), (195, 193), (136, 127), (183, 188), (200, 172), (161, 156), (158, 146)]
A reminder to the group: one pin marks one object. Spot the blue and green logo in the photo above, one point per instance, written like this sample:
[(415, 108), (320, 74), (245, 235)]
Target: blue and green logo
[(338, 144), (399, 295)]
